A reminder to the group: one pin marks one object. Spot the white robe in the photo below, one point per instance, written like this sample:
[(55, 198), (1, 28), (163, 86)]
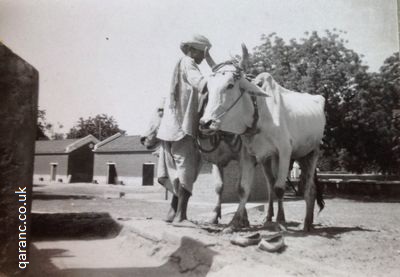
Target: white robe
[(180, 109)]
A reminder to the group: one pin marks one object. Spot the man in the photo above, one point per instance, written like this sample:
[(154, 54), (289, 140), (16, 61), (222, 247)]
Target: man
[(179, 160)]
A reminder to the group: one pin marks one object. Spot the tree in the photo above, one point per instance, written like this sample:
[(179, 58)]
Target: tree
[(41, 126), (360, 131), (370, 117), (317, 65), (46, 130), (390, 76), (101, 126)]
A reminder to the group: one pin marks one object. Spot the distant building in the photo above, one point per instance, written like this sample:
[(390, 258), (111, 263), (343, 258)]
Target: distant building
[(68, 160), (123, 159), (295, 172)]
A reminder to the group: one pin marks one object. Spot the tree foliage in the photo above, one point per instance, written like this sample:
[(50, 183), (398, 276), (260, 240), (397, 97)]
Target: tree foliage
[(362, 133), (101, 126), (41, 123), (46, 130)]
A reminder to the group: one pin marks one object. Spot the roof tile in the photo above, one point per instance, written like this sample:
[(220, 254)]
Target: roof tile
[(123, 144)]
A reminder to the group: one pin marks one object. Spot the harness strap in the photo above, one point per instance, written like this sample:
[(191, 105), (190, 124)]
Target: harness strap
[(234, 103), (253, 129), (234, 142)]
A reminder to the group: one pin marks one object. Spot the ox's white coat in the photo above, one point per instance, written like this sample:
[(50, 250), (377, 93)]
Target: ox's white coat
[(290, 126)]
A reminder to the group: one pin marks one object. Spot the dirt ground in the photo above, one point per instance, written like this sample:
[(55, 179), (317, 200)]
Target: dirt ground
[(106, 230)]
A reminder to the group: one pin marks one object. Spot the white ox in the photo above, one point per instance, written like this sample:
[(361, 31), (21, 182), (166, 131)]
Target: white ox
[(276, 125)]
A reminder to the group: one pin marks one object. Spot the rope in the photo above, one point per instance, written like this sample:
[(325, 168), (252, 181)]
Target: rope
[(214, 140), (234, 142)]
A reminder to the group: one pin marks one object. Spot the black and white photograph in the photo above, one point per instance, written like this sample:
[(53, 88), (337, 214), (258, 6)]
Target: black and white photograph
[(199, 138)]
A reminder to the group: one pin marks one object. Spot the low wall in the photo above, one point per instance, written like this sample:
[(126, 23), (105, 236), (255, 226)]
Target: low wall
[(351, 176), (360, 184), (362, 187)]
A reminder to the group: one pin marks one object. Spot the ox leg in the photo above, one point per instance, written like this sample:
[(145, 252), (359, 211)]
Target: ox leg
[(280, 217), (283, 162), (247, 167), (271, 171), (270, 178), (302, 182), (308, 165), (218, 176)]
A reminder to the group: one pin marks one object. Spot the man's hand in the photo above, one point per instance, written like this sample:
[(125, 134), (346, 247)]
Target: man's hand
[(208, 58)]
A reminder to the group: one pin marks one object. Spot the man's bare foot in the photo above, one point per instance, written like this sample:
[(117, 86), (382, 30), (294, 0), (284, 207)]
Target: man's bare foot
[(172, 211), (170, 216)]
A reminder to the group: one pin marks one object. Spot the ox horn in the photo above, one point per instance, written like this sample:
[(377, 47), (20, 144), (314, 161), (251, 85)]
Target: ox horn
[(244, 62)]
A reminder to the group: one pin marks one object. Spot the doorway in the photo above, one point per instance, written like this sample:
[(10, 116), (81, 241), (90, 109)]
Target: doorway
[(53, 171), (148, 174), (111, 173)]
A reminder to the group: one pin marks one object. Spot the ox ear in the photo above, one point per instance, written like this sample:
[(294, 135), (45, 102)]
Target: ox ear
[(244, 61), (251, 88)]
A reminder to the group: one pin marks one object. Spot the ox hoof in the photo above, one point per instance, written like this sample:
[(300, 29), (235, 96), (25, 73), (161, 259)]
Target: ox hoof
[(306, 228), (228, 230), (281, 219), (269, 225), (279, 192), (214, 218), (240, 225)]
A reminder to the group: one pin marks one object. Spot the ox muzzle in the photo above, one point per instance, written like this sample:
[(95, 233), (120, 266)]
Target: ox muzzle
[(209, 126)]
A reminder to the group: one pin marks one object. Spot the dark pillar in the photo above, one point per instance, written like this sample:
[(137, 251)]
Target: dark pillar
[(18, 116)]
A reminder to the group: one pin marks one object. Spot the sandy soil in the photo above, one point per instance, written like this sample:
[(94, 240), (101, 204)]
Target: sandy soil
[(89, 230)]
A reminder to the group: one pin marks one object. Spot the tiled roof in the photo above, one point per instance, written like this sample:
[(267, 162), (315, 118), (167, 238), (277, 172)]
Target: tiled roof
[(53, 146), (122, 144), (62, 146)]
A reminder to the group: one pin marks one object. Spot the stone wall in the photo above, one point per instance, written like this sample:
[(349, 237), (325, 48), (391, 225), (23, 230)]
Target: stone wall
[(18, 113)]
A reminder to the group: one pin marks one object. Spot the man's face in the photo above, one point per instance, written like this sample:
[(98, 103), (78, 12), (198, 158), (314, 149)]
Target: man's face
[(197, 55)]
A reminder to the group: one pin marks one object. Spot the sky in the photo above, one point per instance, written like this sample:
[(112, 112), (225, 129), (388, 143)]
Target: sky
[(117, 57)]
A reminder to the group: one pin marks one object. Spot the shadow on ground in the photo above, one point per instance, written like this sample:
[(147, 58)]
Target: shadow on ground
[(293, 229), (73, 226), (46, 196), (192, 258), (329, 232)]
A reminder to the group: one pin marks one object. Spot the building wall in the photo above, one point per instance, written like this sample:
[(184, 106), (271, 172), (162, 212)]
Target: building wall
[(128, 166), (42, 167), (81, 164)]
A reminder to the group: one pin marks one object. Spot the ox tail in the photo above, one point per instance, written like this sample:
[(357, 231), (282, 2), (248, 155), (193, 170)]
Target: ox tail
[(319, 192)]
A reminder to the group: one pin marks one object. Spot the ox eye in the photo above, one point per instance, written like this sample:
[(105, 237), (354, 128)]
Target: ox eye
[(230, 86)]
